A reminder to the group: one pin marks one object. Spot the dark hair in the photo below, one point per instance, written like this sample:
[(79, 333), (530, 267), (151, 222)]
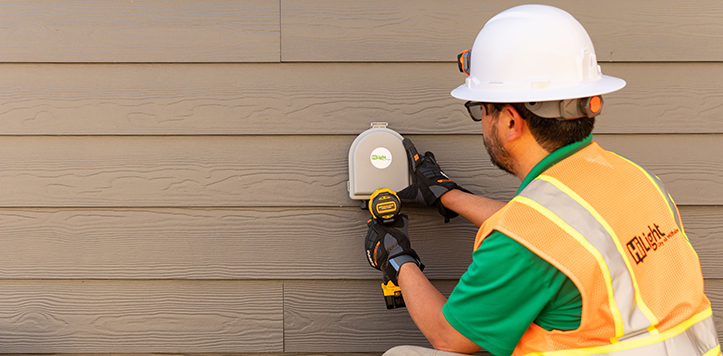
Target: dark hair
[(551, 134)]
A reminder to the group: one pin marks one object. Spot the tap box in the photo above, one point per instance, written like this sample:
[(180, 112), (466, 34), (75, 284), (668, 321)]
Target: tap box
[(377, 159)]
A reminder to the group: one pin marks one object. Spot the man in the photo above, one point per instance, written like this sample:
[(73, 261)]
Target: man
[(590, 256)]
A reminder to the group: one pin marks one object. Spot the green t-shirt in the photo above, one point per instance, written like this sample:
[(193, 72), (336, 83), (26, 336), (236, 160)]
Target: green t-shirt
[(507, 287)]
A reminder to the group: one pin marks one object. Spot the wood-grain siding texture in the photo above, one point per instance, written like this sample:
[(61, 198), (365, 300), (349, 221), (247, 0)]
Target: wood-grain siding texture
[(316, 98), (433, 30), (173, 172), (111, 31)]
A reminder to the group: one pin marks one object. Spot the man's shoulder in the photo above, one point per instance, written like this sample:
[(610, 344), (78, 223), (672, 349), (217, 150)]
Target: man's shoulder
[(499, 244)]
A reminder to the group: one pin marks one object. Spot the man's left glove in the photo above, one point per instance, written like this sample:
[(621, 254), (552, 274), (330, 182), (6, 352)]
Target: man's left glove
[(429, 182), (388, 247)]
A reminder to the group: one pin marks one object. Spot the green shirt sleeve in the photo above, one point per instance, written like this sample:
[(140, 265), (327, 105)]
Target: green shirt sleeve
[(505, 289)]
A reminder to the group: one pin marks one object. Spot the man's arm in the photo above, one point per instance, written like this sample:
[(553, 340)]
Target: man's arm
[(424, 303), (432, 187), (472, 207)]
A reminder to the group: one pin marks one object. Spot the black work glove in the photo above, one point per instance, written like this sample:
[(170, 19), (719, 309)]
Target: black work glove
[(388, 247), (429, 182)]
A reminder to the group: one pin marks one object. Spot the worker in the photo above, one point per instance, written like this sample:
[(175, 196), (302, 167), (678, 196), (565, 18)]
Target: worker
[(590, 257)]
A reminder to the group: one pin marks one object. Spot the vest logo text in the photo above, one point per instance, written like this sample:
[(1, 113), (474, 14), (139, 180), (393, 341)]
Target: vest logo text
[(649, 241)]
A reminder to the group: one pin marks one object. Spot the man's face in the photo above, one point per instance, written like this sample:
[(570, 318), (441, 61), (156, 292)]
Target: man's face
[(495, 148)]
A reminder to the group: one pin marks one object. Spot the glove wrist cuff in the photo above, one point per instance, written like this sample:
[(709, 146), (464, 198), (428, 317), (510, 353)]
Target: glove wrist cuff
[(398, 261), (394, 264)]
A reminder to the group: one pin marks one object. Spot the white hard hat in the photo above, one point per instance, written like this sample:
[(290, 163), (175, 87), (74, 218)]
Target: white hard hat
[(533, 53)]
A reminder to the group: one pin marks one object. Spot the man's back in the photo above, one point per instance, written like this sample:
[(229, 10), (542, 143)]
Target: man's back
[(613, 229)]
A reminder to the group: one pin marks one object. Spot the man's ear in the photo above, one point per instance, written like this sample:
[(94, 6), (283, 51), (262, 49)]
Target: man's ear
[(516, 126)]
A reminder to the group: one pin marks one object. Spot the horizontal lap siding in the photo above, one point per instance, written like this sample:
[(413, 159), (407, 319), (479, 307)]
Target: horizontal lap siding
[(365, 324), (298, 171), (327, 30), (314, 98), (140, 316), (174, 172), (311, 314), (139, 31), (431, 30), (247, 243), (183, 317), (76, 312)]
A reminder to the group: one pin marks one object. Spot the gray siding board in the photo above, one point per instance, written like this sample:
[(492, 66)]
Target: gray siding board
[(140, 316), (350, 316), (248, 244), (312, 325), (140, 31), (429, 30), (327, 31), (313, 99), (221, 244), (704, 227), (236, 171), (663, 98)]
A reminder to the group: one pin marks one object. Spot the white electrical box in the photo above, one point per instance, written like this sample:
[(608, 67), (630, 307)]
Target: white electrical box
[(377, 159)]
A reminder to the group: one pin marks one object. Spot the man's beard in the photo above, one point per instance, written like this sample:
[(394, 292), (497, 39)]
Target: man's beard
[(498, 155)]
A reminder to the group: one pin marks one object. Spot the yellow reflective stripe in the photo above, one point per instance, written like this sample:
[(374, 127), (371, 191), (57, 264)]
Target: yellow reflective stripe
[(682, 230), (688, 323), (673, 213), (581, 239), (714, 352), (641, 304), (627, 345)]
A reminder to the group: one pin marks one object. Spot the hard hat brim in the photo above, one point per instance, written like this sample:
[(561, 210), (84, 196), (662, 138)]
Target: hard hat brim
[(604, 85)]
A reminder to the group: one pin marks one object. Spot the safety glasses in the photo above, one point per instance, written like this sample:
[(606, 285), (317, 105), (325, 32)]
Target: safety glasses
[(463, 61), (475, 109)]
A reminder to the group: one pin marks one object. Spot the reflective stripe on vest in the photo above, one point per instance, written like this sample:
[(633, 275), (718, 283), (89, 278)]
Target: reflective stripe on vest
[(663, 192), (547, 195), (691, 338), (566, 209), (586, 225)]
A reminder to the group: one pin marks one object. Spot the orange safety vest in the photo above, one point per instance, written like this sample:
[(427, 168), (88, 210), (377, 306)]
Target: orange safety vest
[(614, 230)]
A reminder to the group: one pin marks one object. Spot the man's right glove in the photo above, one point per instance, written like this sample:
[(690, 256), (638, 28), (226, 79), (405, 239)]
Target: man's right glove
[(388, 248), (429, 182)]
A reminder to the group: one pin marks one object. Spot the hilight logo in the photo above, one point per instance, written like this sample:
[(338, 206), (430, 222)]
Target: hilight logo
[(649, 241), (381, 157)]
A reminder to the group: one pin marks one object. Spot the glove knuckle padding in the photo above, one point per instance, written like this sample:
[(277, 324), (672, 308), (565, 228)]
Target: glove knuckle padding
[(369, 246), (391, 246), (385, 242), (429, 182)]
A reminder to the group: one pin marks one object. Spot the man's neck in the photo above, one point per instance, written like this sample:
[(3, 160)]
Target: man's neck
[(528, 155)]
